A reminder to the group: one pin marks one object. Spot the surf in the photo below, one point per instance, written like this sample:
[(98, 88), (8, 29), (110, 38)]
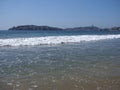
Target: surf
[(48, 40)]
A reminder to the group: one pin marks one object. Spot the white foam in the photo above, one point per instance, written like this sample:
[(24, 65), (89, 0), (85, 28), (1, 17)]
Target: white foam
[(54, 40)]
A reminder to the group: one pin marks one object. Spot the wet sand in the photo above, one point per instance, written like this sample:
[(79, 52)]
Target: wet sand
[(63, 83)]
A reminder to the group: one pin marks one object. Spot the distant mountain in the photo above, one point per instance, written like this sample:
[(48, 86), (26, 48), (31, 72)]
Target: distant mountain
[(34, 27), (87, 28), (115, 28)]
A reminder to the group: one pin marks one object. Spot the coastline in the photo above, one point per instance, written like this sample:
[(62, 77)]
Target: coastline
[(66, 67), (86, 28), (59, 60)]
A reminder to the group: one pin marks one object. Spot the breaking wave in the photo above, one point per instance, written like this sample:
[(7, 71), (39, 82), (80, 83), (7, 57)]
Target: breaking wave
[(54, 40)]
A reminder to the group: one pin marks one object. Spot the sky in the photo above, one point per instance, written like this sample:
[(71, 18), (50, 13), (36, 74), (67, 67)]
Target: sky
[(59, 13)]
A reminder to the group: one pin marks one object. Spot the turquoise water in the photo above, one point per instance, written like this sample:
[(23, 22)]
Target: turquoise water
[(86, 65)]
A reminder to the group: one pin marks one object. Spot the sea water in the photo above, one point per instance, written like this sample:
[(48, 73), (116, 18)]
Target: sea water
[(59, 60)]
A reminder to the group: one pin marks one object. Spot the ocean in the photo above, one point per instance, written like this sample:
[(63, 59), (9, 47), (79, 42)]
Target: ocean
[(59, 60)]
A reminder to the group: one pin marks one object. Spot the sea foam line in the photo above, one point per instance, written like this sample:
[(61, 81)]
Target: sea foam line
[(54, 40)]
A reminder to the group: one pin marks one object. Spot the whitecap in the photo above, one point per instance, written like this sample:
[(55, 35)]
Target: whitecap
[(54, 40)]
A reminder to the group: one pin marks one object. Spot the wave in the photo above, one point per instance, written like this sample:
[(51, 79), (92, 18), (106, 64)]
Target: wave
[(54, 40)]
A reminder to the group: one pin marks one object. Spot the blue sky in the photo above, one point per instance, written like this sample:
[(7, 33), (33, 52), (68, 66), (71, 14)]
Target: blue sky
[(59, 13)]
